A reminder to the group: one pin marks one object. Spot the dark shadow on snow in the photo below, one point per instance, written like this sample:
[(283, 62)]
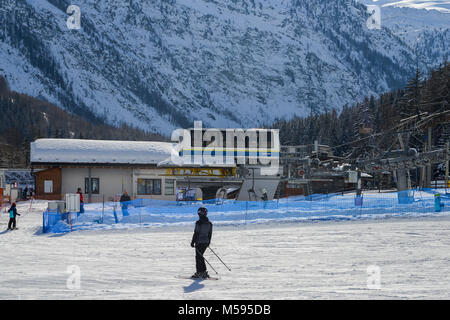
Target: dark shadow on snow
[(194, 286), (40, 232), (56, 235)]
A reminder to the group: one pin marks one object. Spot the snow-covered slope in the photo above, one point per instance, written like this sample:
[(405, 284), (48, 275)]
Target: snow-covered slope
[(321, 260), (162, 64)]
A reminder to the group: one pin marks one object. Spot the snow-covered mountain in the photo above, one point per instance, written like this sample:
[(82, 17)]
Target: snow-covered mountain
[(162, 64), (422, 24)]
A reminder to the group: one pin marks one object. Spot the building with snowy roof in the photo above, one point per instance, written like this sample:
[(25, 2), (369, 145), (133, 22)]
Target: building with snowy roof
[(147, 169), (104, 168), (101, 168)]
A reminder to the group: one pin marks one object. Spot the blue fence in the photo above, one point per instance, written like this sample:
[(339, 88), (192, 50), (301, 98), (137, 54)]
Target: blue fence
[(150, 212), (57, 222)]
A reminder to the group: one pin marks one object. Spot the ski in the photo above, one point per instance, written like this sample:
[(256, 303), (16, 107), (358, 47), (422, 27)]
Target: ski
[(191, 278)]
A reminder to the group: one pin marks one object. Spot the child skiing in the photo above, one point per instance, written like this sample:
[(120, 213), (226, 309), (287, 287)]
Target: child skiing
[(12, 217), (200, 241)]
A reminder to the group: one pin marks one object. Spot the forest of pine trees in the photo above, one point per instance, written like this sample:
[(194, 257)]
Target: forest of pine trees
[(24, 119), (373, 116)]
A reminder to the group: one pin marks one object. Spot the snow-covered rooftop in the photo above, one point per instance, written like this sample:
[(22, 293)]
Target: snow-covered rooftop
[(100, 151)]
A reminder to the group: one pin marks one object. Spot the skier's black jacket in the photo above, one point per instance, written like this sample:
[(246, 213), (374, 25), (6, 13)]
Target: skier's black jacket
[(125, 198), (202, 231)]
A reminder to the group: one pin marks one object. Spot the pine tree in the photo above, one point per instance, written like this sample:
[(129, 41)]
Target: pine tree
[(409, 104)]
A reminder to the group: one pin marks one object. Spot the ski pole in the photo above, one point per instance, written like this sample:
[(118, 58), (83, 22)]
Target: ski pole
[(219, 258), (206, 261)]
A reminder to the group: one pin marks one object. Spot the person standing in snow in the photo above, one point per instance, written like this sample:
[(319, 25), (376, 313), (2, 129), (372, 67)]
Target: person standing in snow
[(124, 202), (12, 217), (264, 197), (81, 200), (25, 193), (200, 241)]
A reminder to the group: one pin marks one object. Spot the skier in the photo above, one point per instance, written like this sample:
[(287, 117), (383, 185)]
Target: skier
[(200, 241), (12, 217)]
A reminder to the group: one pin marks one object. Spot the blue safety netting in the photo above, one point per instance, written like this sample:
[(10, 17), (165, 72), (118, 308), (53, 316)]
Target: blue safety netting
[(151, 212)]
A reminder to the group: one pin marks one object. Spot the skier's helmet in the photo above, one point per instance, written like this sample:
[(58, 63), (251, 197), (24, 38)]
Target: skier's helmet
[(202, 211)]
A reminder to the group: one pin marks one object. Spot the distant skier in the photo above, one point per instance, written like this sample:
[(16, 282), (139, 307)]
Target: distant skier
[(12, 217), (264, 197), (25, 193), (200, 241), (125, 201)]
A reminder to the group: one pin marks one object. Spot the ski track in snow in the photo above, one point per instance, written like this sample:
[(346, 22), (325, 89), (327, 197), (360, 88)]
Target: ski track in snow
[(309, 260)]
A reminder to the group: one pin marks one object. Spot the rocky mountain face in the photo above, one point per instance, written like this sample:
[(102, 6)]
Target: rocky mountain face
[(162, 64)]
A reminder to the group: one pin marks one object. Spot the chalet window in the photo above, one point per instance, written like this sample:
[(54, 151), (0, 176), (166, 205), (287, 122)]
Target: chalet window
[(48, 186), (95, 185), (169, 187), (149, 186)]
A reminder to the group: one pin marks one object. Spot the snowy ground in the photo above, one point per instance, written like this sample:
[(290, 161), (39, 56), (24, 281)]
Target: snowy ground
[(291, 260)]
